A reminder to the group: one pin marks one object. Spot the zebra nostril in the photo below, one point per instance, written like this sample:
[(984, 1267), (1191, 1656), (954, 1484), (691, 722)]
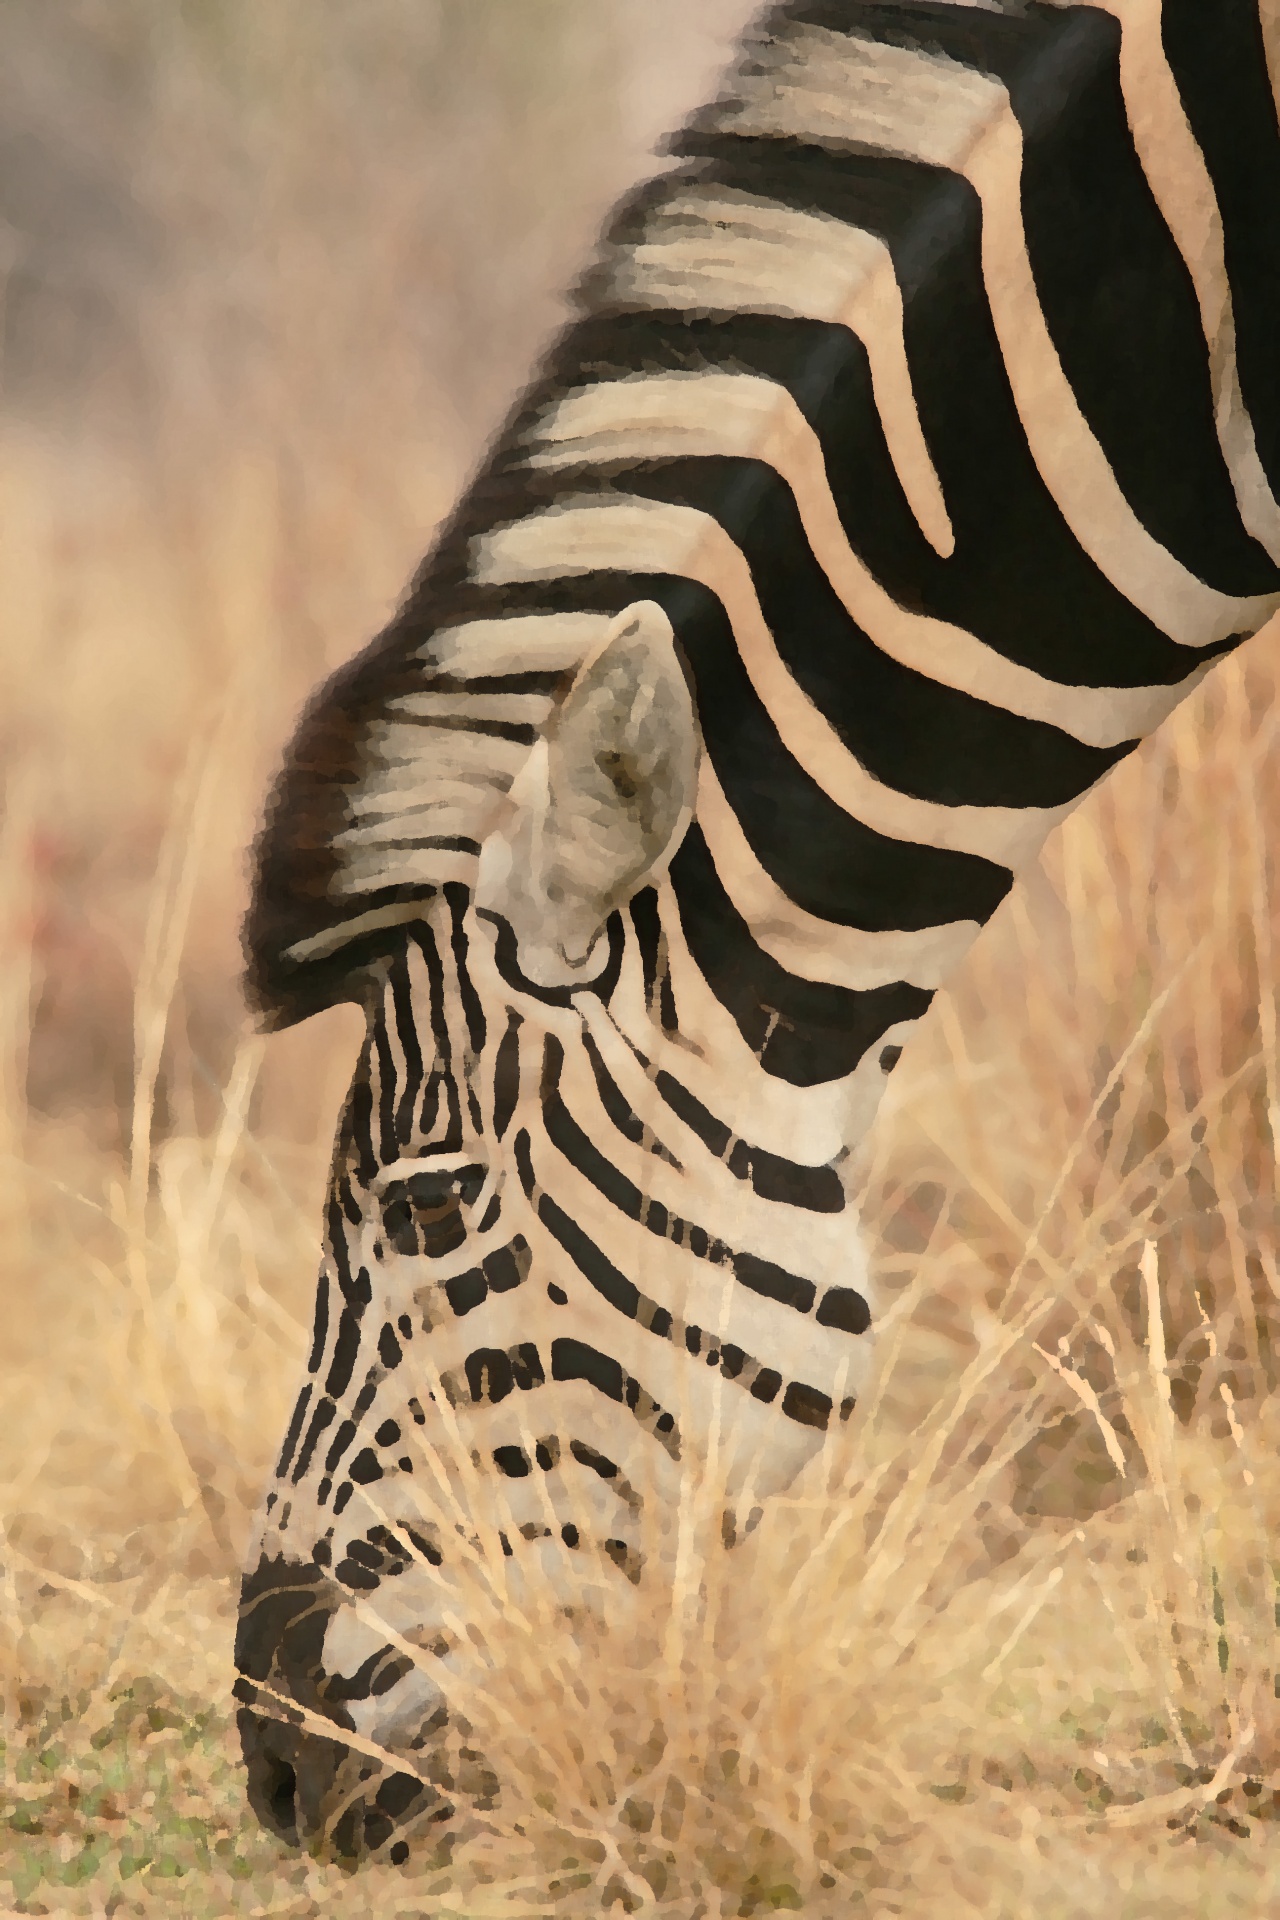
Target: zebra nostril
[(273, 1778), (424, 1213)]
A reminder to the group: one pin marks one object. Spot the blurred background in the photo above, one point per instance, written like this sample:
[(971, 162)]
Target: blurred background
[(271, 275)]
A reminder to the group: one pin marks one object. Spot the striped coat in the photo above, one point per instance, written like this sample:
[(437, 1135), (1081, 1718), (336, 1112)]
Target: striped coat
[(916, 450)]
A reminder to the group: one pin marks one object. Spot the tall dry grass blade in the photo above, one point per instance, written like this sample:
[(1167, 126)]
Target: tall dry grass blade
[(170, 910), (18, 976)]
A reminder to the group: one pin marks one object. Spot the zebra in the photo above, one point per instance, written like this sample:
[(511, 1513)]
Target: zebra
[(915, 449)]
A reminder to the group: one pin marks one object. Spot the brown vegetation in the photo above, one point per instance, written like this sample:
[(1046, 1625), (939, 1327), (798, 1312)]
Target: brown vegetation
[(272, 276)]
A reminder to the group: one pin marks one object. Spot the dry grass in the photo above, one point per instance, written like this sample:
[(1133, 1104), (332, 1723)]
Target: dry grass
[(1015, 1651)]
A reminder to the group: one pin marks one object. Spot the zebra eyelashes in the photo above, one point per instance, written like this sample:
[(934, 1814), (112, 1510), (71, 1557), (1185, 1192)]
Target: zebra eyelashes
[(601, 804)]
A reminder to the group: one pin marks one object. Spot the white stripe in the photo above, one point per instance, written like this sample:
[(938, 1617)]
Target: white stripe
[(746, 416), (520, 643), (634, 534), (1269, 12), (321, 944), (391, 1030), (367, 870), (813, 948), (925, 106), (398, 757), (722, 250), (387, 821), (516, 709)]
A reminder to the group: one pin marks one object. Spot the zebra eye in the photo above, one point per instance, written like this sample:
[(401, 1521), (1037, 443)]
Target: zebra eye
[(424, 1213)]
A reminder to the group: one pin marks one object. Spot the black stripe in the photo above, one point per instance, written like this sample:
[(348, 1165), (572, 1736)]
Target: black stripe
[(342, 1439), (1218, 58), (346, 1349), (345, 1206), (488, 1372), (438, 842), (466, 1291), (774, 1283), (537, 681), (507, 961), (828, 863), (507, 1267), (320, 1331), (494, 1372), (609, 1282), (588, 1456), (387, 1145), (766, 1385), (621, 1113), (336, 1242), (499, 1272), (322, 1417), (356, 1288), (909, 731), (444, 1072), (359, 1118), (845, 1309), (654, 968), (473, 1012), (295, 1428), (806, 1405), (575, 1360), (432, 1089), (800, 1030), (407, 1032), (365, 1469), (425, 942), (506, 1075), (518, 732)]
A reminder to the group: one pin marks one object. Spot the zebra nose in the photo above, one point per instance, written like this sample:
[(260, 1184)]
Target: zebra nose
[(426, 1212)]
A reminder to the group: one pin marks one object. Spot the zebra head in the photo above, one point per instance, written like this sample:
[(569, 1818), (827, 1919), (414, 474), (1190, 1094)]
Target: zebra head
[(549, 1252)]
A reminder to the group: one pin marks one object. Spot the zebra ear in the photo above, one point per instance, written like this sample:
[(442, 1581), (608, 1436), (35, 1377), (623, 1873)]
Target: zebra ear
[(603, 801)]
